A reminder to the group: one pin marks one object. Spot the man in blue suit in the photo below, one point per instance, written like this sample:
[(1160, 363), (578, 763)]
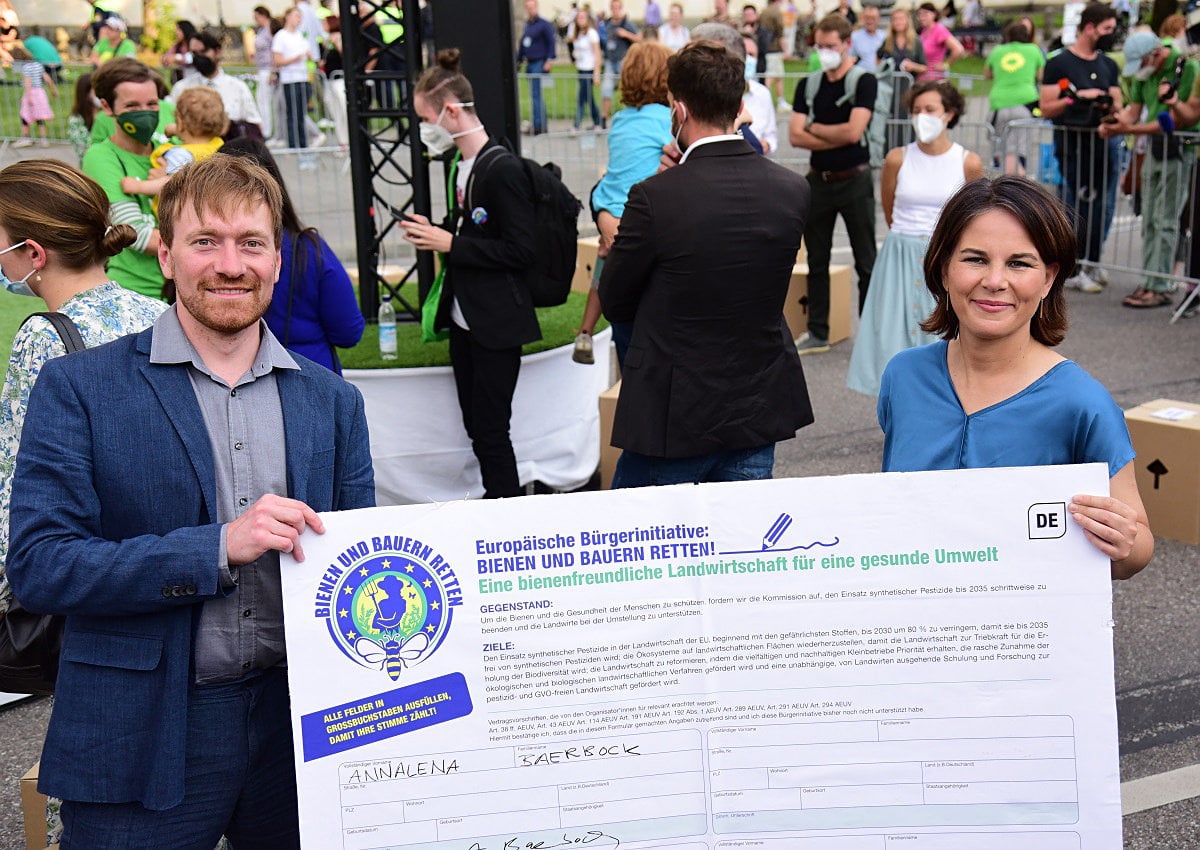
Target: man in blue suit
[(159, 478)]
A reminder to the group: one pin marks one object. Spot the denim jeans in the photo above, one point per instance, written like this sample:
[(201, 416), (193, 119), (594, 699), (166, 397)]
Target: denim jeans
[(537, 106), (240, 781), (1089, 169), (295, 101), (586, 99), (638, 470)]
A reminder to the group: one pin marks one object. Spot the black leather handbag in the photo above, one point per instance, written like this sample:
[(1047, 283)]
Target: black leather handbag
[(30, 643)]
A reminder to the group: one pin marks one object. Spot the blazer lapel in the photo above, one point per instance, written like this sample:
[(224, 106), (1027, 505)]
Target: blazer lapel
[(297, 431), (174, 391)]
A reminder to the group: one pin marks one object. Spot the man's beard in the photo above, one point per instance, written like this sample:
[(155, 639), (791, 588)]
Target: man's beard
[(228, 317)]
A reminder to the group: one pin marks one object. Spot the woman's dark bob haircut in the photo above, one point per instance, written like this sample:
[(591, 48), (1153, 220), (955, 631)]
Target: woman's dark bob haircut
[(1043, 219), (952, 99)]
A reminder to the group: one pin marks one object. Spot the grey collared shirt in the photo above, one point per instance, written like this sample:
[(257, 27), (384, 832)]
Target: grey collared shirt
[(243, 631)]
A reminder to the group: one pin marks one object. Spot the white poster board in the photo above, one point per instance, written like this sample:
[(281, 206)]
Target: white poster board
[(873, 661)]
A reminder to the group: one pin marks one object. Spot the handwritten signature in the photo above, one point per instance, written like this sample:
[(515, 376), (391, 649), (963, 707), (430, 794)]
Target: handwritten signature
[(590, 837)]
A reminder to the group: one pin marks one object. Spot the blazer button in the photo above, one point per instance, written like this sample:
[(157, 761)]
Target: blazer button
[(191, 590), (166, 591)]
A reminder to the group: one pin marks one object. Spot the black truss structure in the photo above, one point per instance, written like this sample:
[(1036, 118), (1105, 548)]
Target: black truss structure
[(388, 169)]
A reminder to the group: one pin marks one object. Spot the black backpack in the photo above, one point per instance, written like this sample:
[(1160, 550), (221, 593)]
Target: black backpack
[(557, 213)]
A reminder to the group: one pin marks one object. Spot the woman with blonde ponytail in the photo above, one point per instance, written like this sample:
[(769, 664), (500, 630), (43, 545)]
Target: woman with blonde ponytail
[(55, 238)]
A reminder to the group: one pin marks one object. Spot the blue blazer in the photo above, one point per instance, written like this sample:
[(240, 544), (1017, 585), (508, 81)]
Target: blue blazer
[(112, 524)]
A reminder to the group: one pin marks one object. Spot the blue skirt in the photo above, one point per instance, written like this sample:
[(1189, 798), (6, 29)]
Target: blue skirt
[(897, 303)]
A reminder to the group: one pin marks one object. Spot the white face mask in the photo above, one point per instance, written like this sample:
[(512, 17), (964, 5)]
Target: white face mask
[(927, 127), (681, 110), (436, 138), (830, 59), (1144, 73)]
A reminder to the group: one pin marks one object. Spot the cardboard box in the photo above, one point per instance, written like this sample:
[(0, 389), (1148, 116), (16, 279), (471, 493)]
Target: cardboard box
[(1166, 436), (33, 807), (608, 453), (842, 300), (585, 264)]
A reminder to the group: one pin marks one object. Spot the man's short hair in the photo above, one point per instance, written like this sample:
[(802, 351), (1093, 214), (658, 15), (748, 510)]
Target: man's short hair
[(1096, 14), (835, 23), (220, 185), (123, 69), (723, 33), (210, 41), (710, 80), (200, 111)]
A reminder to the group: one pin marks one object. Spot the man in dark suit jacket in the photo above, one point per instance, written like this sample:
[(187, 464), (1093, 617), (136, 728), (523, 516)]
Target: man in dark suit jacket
[(158, 479), (701, 265)]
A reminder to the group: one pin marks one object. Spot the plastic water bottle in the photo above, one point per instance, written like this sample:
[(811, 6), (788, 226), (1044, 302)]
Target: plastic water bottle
[(387, 329)]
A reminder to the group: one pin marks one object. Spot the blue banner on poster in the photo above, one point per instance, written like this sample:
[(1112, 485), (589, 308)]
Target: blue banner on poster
[(354, 724)]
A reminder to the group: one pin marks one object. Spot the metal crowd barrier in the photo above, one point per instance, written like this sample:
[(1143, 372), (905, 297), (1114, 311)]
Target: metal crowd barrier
[(1135, 209), (1114, 219)]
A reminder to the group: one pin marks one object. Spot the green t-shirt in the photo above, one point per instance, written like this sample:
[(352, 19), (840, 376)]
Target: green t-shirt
[(103, 125), (1014, 70), (1145, 92), (106, 51), (107, 164)]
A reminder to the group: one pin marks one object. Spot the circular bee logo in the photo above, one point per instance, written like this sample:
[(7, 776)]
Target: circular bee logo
[(390, 612)]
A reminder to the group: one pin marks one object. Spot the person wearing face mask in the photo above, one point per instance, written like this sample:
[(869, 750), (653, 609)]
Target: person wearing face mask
[(54, 239), (757, 100), (240, 105), (701, 266), (916, 182), (487, 251), (1080, 88), (128, 93), (1157, 69), (834, 128)]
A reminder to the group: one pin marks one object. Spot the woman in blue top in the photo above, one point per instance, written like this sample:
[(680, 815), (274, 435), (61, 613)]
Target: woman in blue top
[(635, 144), (314, 310), (993, 392)]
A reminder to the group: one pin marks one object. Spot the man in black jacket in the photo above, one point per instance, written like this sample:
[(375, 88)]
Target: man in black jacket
[(701, 265)]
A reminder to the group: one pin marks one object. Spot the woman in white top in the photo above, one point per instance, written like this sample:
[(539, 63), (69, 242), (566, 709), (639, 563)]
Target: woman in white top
[(917, 181), (290, 55), (673, 33), (264, 68), (585, 49)]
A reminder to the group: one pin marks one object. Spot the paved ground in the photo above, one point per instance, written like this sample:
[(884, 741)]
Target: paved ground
[(1139, 357)]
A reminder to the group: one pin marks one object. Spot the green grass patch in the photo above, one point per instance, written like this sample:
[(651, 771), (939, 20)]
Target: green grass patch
[(559, 325), (13, 310)]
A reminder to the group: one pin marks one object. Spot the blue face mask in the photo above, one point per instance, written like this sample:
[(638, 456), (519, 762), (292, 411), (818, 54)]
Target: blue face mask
[(16, 287), (751, 67)]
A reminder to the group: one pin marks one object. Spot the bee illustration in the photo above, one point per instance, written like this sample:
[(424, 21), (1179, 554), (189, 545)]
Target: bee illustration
[(391, 655)]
